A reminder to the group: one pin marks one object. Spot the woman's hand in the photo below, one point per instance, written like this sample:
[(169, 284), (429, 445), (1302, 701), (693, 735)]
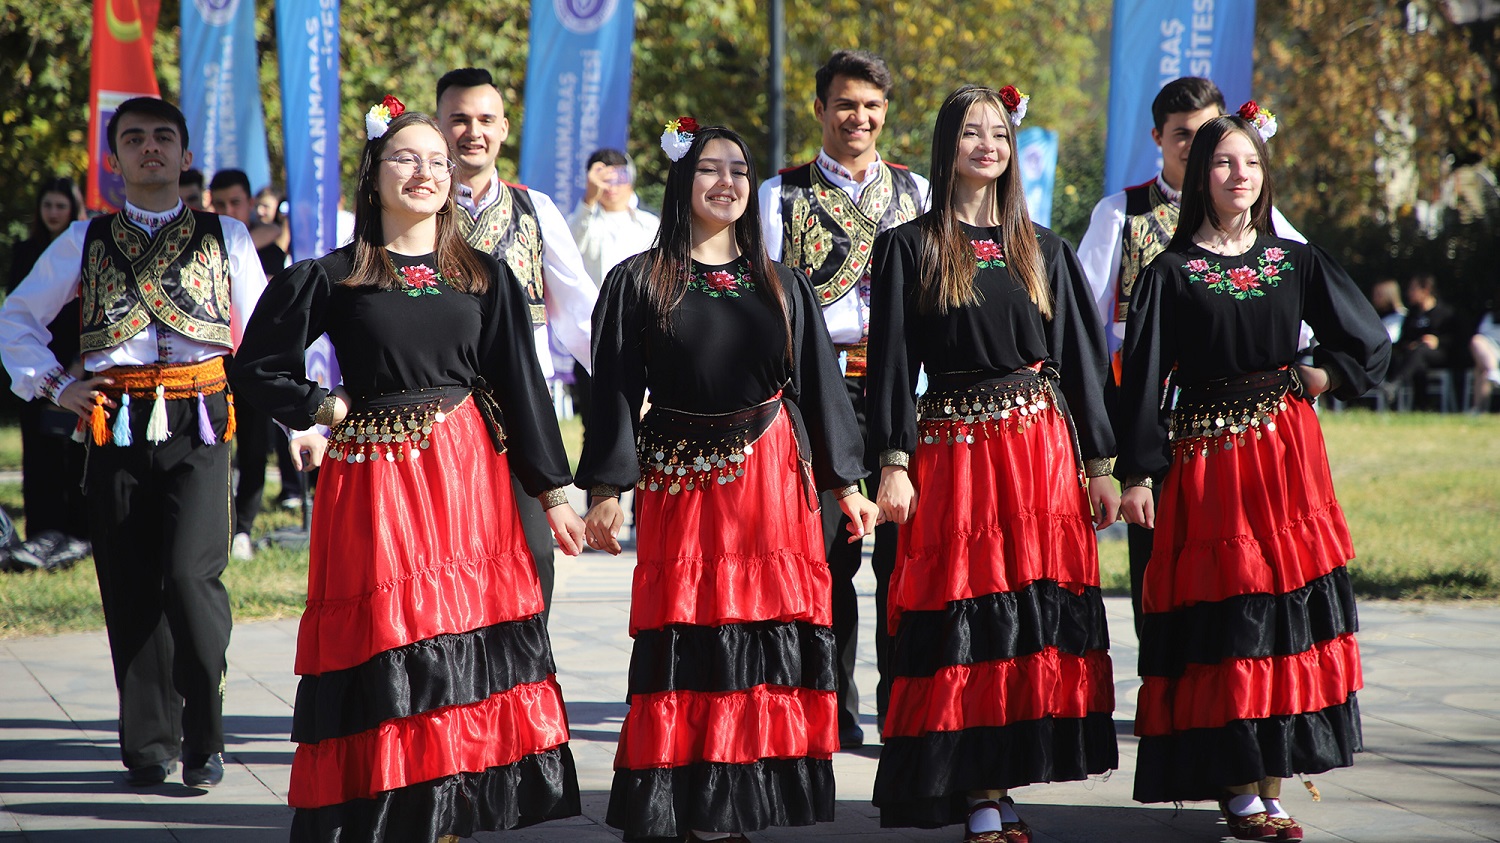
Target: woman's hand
[(567, 527), (1315, 381), (1104, 498), (897, 498), (1138, 507), (863, 515), (307, 450), (603, 523)]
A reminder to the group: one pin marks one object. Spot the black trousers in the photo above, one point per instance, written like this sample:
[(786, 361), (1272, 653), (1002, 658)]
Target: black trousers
[(51, 471), (255, 439), (159, 515), (538, 540), (844, 560)]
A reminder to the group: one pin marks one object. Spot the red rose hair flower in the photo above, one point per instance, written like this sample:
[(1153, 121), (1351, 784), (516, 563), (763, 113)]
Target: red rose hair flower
[(1010, 96), (687, 124), (393, 105), (1249, 110)]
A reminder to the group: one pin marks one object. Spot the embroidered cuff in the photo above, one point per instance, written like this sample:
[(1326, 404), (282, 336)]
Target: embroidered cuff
[(895, 457), (851, 489), (1144, 481), (1099, 467), (324, 415), (553, 497), (604, 490), (53, 383)]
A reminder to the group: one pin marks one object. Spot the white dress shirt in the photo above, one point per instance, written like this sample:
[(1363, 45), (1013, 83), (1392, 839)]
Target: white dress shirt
[(568, 291), (54, 282), (847, 318), (605, 238), (1100, 252)]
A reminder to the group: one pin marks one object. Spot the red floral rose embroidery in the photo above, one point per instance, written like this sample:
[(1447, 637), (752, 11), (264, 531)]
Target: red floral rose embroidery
[(1213, 278), (985, 249), (1010, 96), (1197, 265), (393, 105), (420, 279), (1244, 278), (1275, 254), (721, 281)]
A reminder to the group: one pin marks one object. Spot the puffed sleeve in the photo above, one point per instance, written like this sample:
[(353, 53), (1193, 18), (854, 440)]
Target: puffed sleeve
[(1352, 342), (509, 362), (1148, 356), (818, 389), (891, 379), (270, 368), (1075, 342), (619, 380)]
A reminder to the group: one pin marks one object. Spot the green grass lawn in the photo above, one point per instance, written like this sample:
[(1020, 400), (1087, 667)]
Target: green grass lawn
[(1421, 494)]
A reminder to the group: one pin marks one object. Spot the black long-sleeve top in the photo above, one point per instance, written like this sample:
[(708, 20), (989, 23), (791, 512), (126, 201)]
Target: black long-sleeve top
[(1002, 332), (1203, 317), (391, 341), (65, 328), (725, 350)]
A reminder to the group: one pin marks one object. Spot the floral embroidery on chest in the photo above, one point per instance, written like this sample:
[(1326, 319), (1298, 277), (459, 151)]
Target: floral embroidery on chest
[(721, 283), (1241, 282), (420, 280), (988, 254)]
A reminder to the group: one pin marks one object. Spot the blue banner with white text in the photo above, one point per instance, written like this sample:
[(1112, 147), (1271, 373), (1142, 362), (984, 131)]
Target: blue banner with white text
[(221, 89), (577, 92), (1154, 42), (307, 38), (1037, 149)]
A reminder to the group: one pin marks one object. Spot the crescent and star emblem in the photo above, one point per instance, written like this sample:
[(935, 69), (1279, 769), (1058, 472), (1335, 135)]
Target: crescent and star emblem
[(122, 31)]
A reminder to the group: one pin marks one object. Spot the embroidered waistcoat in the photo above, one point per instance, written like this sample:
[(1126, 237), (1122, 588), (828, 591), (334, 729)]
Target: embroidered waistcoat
[(830, 236), (508, 230), (1150, 221), (177, 279)]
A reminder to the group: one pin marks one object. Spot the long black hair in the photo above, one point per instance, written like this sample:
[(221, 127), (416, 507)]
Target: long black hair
[(66, 187), (1197, 205), (670, 263), (457, 263)]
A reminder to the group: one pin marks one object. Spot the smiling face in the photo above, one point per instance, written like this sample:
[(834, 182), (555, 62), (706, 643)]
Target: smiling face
[(852, 117), (1176, 139), (1234, 176), (413, 193), (474, 119), (149, 152), (983, 146), (721, 185)]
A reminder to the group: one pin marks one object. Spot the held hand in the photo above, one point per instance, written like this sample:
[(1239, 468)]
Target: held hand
[(1315, 381), (568, 528), (1104, 497), (1138, 507), (78, 396), (897, 498), (603, 524), (307, 450), (863, 515)]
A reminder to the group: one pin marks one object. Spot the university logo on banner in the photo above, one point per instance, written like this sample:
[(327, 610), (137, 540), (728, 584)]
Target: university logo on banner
[(121, 69), (221, 88), (307, 35), (1154, 42), (577, 91)]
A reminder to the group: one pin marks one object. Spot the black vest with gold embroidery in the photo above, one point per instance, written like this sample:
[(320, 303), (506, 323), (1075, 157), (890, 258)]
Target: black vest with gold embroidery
[(509, 231), (177, 279), (830, 236), (1150, 222)]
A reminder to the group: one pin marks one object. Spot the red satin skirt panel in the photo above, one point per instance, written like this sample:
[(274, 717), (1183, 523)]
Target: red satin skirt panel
[(999, 693), (676, 728)]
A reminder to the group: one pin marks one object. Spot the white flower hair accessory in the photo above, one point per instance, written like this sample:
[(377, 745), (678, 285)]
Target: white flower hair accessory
[(379, 117), (1262, 119), (1015, 102), (678, 137)]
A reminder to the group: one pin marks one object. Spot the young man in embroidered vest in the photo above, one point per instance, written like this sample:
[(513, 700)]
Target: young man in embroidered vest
[(822, 218), (165, 292), (1127, 230), (523, 229)]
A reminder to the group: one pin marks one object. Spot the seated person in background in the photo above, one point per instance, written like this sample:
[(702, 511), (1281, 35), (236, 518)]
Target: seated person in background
[(1485, 347), (1429, 334), (1386, 296)]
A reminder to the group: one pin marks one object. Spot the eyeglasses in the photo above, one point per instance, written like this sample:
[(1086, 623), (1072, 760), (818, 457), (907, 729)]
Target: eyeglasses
[(440, 168)]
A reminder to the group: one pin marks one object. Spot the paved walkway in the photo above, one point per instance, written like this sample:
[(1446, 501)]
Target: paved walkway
[(1431, 770)]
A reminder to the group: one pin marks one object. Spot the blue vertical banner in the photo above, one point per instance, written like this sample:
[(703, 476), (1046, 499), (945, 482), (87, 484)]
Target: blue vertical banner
[(1154, 42), (307, 38), (577, 91), (221, 89), (1037, 149)]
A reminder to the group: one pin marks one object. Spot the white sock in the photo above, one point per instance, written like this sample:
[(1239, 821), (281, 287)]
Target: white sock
[(984, 819), (1245, 804), (1274, 809)]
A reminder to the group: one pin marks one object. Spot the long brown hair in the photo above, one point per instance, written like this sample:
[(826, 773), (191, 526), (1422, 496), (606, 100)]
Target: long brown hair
[(458, 264), (947, 258), (1197, 205), (671, 260)]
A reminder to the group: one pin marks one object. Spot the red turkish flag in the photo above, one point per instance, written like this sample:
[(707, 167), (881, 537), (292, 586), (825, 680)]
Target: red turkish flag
[(122, 69)]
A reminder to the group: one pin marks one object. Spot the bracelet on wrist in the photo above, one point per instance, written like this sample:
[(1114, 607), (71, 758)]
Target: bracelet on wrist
[(326, 410), (603, 490), (552, 498), (1145, 482), (1099, 467), (896, 457), (851, 489)]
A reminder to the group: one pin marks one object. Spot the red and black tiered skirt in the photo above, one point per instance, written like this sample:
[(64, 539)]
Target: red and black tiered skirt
[(732, 723), (428, 703), (1248, 656), (1001, 654)]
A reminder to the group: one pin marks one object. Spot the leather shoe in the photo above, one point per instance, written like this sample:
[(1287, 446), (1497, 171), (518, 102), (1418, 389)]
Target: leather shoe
[(205, 774), (149, 774)]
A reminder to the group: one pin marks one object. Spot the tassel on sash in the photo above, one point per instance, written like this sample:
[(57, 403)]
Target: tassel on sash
[(229, 425), (98, 425), (205, 426), (122, 422), (156, 429)]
